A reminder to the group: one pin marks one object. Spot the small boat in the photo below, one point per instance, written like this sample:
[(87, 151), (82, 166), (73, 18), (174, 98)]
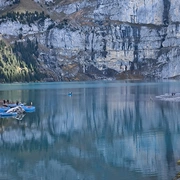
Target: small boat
[(5, 114), (17, 109), (24, 107), (28, 108), (11, 105), (4, 108), (70, 94)]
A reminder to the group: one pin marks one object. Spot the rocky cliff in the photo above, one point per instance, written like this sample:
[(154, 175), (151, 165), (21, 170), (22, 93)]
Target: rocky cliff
[(97, 39)]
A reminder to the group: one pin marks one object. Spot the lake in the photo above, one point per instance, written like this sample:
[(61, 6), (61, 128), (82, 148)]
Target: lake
[(105, 130)]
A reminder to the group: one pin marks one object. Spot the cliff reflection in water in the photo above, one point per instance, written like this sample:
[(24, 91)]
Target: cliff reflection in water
[(97, 132)]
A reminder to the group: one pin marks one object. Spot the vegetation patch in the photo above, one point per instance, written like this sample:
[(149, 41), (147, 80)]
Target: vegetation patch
[(24, 18), (19, 63), (12, 69)]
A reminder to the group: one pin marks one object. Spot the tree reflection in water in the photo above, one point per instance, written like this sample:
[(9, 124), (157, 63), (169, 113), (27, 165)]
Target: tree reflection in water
[(100, 131)]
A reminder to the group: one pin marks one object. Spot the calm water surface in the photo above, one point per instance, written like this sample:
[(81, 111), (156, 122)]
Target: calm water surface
[(104, 131)]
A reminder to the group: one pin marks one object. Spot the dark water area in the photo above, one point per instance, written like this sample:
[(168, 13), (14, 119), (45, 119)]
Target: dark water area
[(104, 130)]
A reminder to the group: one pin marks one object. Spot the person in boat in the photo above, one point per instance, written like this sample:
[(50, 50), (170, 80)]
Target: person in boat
[(4, 101), (173, 94), (17, 103)]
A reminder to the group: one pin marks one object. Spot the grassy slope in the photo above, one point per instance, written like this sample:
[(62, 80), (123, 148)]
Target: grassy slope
[(31, 6), (27, 5)]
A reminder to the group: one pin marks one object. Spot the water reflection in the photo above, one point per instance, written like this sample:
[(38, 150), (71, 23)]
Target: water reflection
[(97, 133)]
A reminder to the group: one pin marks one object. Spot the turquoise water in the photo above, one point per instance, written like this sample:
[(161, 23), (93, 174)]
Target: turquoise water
[(104, 131)]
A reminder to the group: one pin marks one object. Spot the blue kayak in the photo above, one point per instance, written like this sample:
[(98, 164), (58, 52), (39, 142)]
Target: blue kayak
[(28, 108), (25, 107), (4, 109), (5, 114), (12, 105)]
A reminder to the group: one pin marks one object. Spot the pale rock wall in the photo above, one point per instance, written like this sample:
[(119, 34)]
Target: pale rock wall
[(138, 32), (4, 3), (138, 11), (114, 35), (14, 28), (174, 13)]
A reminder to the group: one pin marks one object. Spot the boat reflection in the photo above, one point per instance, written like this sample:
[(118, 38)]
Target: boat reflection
[(19, 116), (13, 122)]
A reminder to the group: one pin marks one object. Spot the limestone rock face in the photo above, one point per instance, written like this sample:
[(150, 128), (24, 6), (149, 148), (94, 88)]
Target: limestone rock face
[(128, 35), (4, 3)]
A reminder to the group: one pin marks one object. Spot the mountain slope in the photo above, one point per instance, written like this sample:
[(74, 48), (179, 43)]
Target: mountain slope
[(83, 40)]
